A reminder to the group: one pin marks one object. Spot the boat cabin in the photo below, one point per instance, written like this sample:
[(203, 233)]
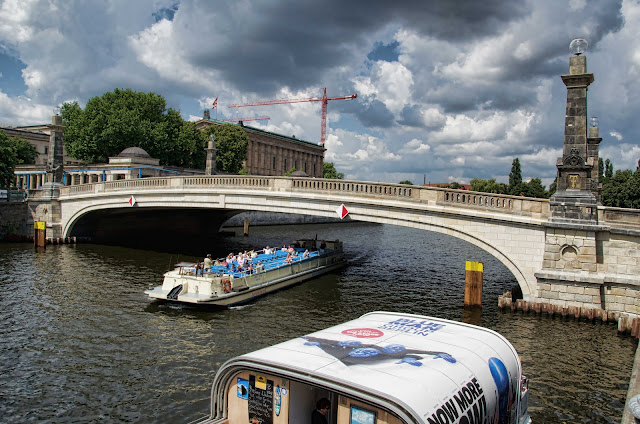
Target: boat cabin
[(382, 368)]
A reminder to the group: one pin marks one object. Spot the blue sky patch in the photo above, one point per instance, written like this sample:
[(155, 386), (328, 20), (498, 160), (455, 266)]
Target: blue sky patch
[(386, 52)]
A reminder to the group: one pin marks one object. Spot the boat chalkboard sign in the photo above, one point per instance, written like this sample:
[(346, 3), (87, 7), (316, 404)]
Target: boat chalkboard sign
[(260, 400)]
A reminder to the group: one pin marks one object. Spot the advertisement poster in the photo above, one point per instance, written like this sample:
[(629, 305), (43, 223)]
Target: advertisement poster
[(260, 400)]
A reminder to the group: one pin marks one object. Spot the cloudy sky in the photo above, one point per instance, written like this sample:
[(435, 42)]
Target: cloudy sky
[(447, 90)]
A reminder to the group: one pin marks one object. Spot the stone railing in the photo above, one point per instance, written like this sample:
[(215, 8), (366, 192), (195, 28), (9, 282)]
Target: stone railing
[(537, 208), (619, 217)]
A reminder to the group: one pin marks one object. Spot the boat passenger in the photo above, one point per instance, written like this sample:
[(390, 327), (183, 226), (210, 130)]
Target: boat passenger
[(208, 261), (289, 258), (323, 245), (319, 415), (217, 262), (260, 267), (290, 249), (305, 254), (250, 269), (284, 248), (240, 260), (254, 254)]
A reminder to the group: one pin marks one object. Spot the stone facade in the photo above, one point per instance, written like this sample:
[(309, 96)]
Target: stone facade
[(275, 154)]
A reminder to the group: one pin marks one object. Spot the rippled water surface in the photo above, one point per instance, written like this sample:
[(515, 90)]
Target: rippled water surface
[(79, 341)]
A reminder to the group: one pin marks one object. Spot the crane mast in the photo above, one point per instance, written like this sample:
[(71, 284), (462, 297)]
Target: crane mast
[(324, 99)]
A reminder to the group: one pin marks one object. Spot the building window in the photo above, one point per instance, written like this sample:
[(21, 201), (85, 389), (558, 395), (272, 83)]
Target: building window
[(46, 150), (314, 169), (285, 165), (305, 167), (295, 164), (274, 163)]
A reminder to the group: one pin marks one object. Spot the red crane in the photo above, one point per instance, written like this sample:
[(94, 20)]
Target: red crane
[(324, 99), (254, 118)]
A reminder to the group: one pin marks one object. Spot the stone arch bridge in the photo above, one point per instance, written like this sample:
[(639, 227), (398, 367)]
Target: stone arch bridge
[(565, 264)]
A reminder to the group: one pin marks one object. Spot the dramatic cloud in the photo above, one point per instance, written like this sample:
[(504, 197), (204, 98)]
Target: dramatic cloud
[(446, 90)]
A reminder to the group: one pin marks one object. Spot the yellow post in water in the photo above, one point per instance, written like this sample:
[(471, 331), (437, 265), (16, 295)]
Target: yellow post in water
[(39, 234), (473, 284)]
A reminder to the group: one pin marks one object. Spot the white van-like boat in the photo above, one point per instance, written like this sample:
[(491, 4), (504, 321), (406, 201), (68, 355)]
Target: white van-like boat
[(382, 368), (222, 286)]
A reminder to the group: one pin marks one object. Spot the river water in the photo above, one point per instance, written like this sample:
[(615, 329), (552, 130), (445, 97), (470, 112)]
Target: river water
[(80, 343)]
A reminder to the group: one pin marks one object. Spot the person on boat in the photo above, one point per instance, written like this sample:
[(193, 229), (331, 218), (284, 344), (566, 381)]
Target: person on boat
[(250, 269), (290, 249), (217, 262), (289, 258), (323, 245), (319, 415), (306, 253), (208, 261), (260, 267), (284, 248), (240, 260)]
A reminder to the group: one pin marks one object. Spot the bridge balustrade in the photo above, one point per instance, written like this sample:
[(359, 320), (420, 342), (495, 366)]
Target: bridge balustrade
[(367, 189), (437, 195)]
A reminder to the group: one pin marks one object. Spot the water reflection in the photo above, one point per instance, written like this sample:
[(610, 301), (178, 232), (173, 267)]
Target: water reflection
[(80, 342)]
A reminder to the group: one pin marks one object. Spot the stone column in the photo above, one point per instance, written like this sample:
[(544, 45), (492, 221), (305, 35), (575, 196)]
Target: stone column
[(574, 201), (210, 168), (55, 160)]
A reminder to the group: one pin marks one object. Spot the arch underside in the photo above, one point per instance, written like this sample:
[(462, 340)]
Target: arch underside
[(146, 226)]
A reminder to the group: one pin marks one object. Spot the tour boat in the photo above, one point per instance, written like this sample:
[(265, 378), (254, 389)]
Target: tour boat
[(381, 368), (223, 285)]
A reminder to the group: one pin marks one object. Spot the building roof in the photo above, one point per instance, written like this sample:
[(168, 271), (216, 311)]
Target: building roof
[(267, 133), (299, 174), (134, 152)]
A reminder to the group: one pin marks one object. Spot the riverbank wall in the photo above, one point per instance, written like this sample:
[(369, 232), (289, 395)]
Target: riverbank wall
[(16, 222), (626, 323)]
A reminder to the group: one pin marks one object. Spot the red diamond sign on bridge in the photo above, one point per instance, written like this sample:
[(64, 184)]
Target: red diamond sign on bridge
[(342, 211), (132, 201)]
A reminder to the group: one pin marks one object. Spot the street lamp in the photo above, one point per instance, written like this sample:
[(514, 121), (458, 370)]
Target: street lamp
[(593, 122), (578, 46), (56, 110)]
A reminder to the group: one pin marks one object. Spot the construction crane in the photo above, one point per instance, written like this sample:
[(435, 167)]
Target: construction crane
[(253, 118), (324, 99)]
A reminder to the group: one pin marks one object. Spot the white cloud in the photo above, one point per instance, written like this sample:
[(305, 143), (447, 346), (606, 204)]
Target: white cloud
[(616, 134)]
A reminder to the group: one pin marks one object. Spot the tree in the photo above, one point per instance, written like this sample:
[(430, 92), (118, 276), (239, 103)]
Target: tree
[(515, 177), (534, 188), (291, 171), (14, 151), (125, 118), (601, 168), (329, 171), (231, 142), (488, 186), (608, 169), (405, 182), (8, 160), (454, 185)]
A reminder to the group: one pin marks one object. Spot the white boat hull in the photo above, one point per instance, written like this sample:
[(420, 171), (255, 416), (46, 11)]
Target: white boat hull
[(247, 288)]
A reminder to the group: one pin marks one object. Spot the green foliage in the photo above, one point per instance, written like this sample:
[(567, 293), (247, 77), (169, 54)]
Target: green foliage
[(608, 169), (125, 118), (405, 182), (515, 176), (26, 152), (600, 168), (622, 188), (329, 171), (8, 160), (454, 185), (289, 172), (488, 186), (14, 151), (231, 142)]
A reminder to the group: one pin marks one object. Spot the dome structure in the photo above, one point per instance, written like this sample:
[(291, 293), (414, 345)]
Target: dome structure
[(134, 152)]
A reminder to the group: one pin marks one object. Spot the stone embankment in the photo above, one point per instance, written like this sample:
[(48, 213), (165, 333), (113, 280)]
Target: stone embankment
[(16, 223), (626, 323)]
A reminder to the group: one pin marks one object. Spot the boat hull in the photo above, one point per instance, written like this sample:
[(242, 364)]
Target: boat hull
[(274, 280)]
